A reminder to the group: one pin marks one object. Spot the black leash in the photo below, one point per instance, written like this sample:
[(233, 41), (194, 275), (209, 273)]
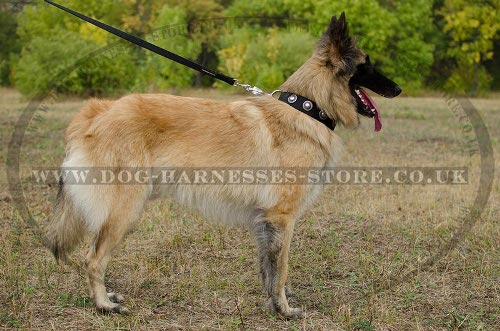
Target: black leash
[(149, 46)]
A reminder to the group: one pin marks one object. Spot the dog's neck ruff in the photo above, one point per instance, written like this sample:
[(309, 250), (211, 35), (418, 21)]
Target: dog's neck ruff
[(307, 107)]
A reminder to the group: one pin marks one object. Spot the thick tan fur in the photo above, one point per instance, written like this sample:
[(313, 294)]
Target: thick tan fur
[(159, 130)]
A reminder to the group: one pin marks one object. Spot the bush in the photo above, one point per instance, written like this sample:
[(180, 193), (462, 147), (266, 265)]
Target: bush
[(9, 47), (65, 62), (264, 59), (171, 34), (63, 53), (469, 79)]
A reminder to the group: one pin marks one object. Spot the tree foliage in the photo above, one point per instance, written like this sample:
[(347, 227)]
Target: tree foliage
[(264, 58), (172, 34), (54, 41), (9, 46), (419, 43), (472, 28)]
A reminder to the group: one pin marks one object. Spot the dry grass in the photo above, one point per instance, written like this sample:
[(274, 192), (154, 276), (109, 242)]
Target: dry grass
[(180, 272)]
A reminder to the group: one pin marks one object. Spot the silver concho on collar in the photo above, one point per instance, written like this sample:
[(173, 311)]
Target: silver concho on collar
[(322, 115), (292, 98), (307, 105)]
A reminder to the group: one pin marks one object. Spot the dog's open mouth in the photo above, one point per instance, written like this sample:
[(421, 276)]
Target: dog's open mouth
[(367, 107)]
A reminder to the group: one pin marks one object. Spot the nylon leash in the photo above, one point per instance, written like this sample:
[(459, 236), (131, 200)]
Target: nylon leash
[(158, 50)]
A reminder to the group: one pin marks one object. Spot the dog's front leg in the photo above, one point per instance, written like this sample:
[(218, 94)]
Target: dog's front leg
[(274, 237)]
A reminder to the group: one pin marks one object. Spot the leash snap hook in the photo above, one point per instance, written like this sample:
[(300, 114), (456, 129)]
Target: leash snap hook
[(249, 88)]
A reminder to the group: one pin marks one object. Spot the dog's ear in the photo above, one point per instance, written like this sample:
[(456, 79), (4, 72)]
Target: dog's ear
[(338, 32), (336, 42), (333, 21)]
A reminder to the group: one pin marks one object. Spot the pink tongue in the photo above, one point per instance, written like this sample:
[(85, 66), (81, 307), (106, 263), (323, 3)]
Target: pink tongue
[(378, 118), (378, 121)]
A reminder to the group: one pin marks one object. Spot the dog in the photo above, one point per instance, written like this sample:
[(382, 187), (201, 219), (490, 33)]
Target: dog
[(159, 130)]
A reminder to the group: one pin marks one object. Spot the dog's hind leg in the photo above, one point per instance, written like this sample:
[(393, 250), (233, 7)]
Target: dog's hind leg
[(97, 260), (112, 232), (274, 234)]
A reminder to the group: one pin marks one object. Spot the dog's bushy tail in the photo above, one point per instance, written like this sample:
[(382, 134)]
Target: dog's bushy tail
[(66, 227)]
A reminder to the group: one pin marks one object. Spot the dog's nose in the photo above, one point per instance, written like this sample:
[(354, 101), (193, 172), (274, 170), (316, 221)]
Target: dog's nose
[(397, 90)]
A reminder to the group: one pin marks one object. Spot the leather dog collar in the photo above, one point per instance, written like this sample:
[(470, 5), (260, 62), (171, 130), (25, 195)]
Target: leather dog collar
[(307, 107)]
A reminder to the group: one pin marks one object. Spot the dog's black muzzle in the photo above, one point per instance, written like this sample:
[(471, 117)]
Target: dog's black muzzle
[(367, 76)]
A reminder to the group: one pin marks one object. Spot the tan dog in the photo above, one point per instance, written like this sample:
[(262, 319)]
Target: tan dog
[(158, 130)]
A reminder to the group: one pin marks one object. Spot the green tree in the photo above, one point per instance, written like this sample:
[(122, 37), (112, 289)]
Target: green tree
[(9, 46), (412, 46), (173, 35), (267, 8), (413, 41), (396, 35), (204, 24), (52, 41), (472, 26), (264, 58), (44, 58)]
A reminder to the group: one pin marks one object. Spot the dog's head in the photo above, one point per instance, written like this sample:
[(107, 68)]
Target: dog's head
[(344, 69)]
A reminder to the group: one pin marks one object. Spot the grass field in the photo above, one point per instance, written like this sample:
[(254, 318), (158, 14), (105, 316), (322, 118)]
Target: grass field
[(350, 257)]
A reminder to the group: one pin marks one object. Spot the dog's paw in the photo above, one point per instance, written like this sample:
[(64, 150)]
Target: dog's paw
[(288, 313), (293, 313), (116, 297), (114, 308)]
